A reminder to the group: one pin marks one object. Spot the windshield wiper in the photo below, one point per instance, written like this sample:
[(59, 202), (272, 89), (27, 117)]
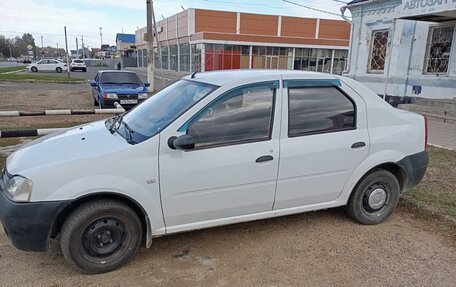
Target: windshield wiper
[(129, 131), (113, 123)]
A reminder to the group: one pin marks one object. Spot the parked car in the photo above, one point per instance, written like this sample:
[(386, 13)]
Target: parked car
[(123, 87), (77, 64), (23, 60), (48, 65), (211, 149)]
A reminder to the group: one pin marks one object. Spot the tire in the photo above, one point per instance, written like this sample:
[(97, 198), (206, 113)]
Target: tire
[(84, 70), (34, 69), (95, 103), (58, 70), (374, 198), (100, 236)]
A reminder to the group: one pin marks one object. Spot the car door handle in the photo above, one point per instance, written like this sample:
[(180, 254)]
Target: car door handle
[(358, 145), (264, 158)]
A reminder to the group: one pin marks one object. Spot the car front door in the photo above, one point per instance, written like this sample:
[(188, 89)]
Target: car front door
[(232, 169), (324, 138), (42, 65)]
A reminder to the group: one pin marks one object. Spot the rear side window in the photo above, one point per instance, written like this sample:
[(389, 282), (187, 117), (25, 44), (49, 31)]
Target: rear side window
[(314, 110), (242, 115), (79, 61)]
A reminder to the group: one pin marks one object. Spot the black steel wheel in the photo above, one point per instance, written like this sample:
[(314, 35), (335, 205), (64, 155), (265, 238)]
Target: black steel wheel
[(374, 198), (100, 236)]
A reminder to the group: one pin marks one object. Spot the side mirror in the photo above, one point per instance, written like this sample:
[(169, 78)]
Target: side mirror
[(184, 142), (93, 83), (147, 85)]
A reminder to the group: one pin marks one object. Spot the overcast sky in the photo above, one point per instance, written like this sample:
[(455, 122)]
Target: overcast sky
[(84, 17)]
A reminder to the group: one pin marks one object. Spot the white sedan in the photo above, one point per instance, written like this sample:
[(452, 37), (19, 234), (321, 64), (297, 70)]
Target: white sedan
[(48, 65)]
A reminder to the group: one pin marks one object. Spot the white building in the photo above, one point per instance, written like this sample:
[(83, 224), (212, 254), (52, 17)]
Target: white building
[(404, 48)]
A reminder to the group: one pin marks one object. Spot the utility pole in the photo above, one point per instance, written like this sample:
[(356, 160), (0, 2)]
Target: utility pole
[(66, 46), (77, 48), (82, 44), (42, 47), (150, 45), (101, 37)]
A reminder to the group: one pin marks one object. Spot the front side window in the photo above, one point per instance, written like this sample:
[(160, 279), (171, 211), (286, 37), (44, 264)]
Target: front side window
[(242, 115), (438, 49), (314, 110), (378, 50)]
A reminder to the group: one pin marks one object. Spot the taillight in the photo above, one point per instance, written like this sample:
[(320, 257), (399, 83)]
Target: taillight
[(425, 133)]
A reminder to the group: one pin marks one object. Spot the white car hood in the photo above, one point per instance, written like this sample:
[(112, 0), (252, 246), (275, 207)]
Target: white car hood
[(78, 143)]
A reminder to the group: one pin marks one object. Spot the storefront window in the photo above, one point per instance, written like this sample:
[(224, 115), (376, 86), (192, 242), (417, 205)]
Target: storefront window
[(196, 57), (184, 51), (164, 57), (173, 60)]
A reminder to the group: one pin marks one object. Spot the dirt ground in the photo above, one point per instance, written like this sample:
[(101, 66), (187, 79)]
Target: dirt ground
[(322, 248), (313, 249), (58, 97)]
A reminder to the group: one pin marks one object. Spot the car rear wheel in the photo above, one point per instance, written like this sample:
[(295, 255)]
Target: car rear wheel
[(374, 198), (34, 69), (100, 236), (58, 70)]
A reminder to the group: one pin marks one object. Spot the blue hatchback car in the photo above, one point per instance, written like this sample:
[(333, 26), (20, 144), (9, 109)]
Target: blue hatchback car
[(123, 87)]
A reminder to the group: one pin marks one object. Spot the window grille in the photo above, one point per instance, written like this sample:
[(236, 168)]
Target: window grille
[(438, 49), (379, 47)]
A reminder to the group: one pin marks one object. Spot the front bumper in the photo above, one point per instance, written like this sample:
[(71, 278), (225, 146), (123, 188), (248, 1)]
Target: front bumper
[(28, 225), (108, 103), (414, 166)]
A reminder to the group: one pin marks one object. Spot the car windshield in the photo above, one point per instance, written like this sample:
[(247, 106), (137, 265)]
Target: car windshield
[(78, 61), (155, 114), (120, 78)]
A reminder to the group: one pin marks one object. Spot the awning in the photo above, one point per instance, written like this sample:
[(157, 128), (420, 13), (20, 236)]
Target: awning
[(428, 10)]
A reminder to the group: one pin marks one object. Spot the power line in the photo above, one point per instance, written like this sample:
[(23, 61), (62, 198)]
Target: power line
[(312, 8)]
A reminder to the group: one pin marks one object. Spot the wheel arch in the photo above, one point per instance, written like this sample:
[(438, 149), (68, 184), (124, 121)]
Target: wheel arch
[(392, 167), (133, 204)]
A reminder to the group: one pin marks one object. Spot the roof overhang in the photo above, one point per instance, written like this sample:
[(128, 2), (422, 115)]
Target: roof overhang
[(428, 10)]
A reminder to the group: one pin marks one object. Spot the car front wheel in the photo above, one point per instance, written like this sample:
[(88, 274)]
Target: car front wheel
[(58, 70), (100, 236), (34, 69), (375, 198)]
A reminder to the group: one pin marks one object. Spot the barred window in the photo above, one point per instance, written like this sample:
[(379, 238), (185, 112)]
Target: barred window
[(438, 49), (379, 47)]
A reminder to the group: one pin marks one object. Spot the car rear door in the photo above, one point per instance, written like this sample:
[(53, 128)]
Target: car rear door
[(324, 138), (233, 169)]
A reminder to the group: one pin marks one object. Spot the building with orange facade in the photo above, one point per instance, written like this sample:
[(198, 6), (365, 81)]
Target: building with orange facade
[(206, 40)]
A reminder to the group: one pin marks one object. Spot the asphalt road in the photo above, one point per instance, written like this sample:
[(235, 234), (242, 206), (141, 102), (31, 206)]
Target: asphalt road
[(10, 64), (89, 75)]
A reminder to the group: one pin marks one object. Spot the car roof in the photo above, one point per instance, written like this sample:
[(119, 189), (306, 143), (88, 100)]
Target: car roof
[(220, 78)]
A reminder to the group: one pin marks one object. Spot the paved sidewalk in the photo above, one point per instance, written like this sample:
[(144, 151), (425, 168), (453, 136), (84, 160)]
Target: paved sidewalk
[(442, 134)]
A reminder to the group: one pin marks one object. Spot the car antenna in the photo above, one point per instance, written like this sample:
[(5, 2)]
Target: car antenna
[(193, 75)]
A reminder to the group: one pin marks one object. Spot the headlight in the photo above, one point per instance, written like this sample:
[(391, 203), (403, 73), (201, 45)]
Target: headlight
[(19, 188), (142, 96), (112, 96)]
